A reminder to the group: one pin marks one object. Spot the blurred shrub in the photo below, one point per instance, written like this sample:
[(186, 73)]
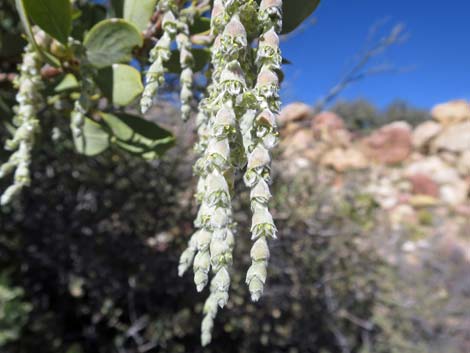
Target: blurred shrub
[(95, 243), (13, 310), (360, 114)]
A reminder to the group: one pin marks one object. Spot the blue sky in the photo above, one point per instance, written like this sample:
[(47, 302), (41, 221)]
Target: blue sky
[(436, 54)]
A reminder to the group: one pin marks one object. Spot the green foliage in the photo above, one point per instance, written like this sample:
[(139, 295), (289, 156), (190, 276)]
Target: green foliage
[(13, 310), (138, 136), (93, 140), (139, 12), (111, 41), (296, 11), (121, 84), (361, 115), (53, 16)]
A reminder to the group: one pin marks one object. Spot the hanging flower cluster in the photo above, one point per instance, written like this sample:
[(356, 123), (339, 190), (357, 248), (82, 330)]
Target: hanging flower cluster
[(236, 129), (84, 103), (29, 100)]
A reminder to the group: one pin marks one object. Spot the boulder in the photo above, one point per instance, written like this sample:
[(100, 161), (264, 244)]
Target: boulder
[(391, 144), (434, 167), (456, 138), (422, 184), (298, 142), (455, 194), (294, 112), (451, 112), (341, 159), (424, 133), (327, 122), (463, 164)]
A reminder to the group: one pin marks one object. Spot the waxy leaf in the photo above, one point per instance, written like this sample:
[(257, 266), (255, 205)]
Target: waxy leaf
[(53, 16), (139, 12), (69, 82), (93, 140), (111, 41), (120, 83), (138, 136), (295, 12)]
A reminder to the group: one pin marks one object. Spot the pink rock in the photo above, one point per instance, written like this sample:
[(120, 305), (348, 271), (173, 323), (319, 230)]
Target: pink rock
[(294, 112), (327, 121), (391, 144), (422, 184)]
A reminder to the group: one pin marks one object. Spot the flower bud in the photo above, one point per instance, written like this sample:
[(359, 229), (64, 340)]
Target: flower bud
[(256, 288), (260, 250), (257, 270), (221, 281), (203, 240), (259, 157), (266, 4), (260, 192)]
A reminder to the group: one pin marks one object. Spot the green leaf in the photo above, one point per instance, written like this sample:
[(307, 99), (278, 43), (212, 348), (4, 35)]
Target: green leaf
[(111, 41), (53, 16), (89, 15), (138, 136), (94, 139), (295, 12), (69, 82), (139, 12), (201, 58), (29, 33), (120, 83)]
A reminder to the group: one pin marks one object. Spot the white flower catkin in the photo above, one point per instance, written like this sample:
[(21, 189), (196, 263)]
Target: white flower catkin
[(84, 103), (159, 55), (29, 100), (262, 137), (236, 129), (183, 42)]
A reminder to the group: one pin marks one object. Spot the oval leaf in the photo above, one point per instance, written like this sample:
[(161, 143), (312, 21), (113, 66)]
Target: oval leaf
[(138, 136), (120, 83), (111, 41), (139, 12), (94, 139), (69, 82), (53, 16), (295, 12)]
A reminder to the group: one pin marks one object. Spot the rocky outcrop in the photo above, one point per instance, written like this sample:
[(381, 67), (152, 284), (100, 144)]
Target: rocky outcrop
[(408, 168)]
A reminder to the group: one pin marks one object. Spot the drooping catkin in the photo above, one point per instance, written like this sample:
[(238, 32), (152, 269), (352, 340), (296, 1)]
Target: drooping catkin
[(236, 130), (29, 100), (183, 42), (262, 137), (160, 54)]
